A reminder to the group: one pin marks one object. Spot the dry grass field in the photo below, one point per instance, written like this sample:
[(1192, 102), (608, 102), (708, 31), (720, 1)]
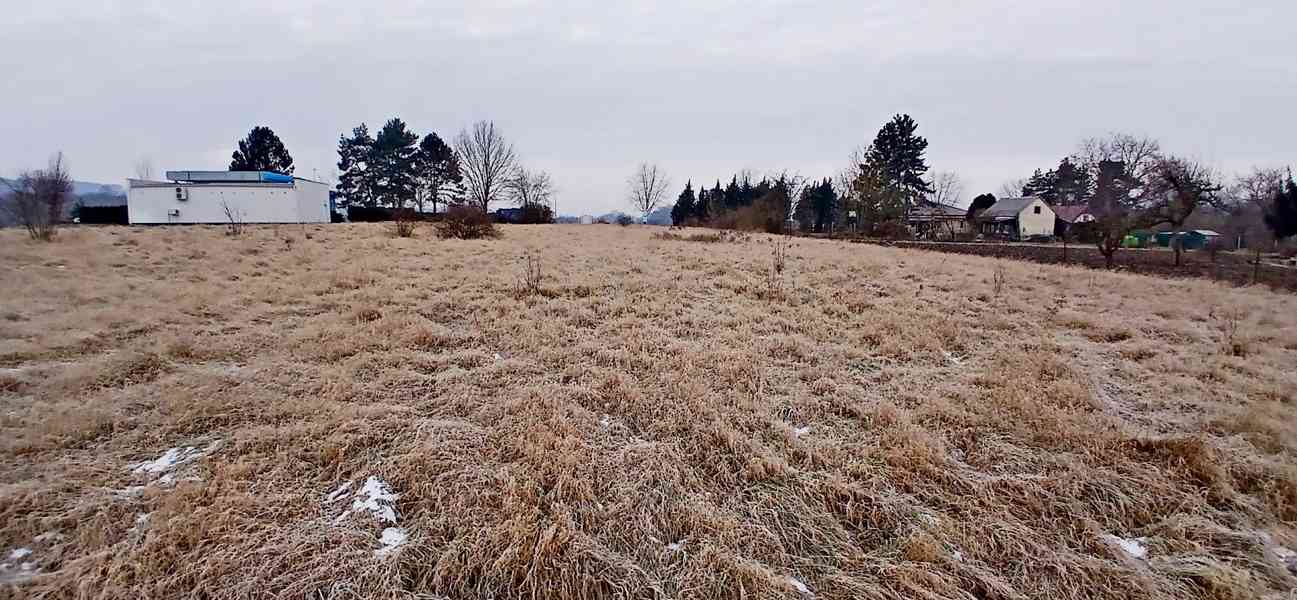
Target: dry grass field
[(333, 412)]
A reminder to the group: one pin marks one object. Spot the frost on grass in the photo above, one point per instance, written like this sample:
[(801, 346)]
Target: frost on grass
[(1135, 547), (338, 493)]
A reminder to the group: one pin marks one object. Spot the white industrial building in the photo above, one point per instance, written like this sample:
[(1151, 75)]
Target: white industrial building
[(249, 196)]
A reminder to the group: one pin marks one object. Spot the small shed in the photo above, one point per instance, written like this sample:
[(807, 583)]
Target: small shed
[(1195, 239)]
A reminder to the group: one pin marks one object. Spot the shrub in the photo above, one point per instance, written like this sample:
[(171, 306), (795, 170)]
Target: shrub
[(466, 223), (404, 222), (36, 199), (625, 220)]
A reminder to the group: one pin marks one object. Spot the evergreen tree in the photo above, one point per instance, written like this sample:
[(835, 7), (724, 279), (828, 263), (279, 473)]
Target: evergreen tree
[(1042, 185), (393, 164), (355, 179), (732, 194), (897, 153), (979, 204), (437, 174), (1282, 216), (262, 150), (1071, 183), (684, 208), (878, 198)]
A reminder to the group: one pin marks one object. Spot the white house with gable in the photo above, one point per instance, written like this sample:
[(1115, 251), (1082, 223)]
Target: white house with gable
[(1017, 218)]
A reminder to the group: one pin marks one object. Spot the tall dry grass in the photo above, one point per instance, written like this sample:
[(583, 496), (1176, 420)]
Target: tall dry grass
[(891, 424)]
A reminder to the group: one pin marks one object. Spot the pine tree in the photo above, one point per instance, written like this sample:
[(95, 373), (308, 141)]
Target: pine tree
[(1043, 185), (684, 207), (437, 174), (1282, 216), (393, 163), (356, 178), (1071, 183), (732, 194), (262, 150), (897, 153)]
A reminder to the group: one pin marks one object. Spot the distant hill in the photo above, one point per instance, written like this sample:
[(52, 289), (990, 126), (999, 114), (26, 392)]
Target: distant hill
[(84, 193), (79, 188)]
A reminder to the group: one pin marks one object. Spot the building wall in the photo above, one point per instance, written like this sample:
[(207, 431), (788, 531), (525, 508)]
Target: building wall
[(299, 202), (1032, 223)]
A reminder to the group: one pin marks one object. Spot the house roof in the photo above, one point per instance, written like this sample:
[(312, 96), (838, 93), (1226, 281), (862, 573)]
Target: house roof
[(1071, 213), (928, 210), (1007, 208)]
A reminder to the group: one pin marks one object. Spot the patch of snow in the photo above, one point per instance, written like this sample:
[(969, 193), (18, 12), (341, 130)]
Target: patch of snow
[(172, 458), (801, 431), (605, 421), (799, 586), (952, 358), (929, 519), (27, 566), (338, 493), (392, 538), (1288, 557), (49, 536), (1133, 546), (142, 518), (957, 555), (377, 498), (20, 553), (676, 546), (498, 357)]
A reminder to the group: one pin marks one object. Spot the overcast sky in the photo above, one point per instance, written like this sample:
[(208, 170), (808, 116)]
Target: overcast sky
[(588, 89)]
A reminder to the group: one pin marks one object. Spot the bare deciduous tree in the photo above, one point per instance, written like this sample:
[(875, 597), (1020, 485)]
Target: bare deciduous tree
[(486, 162), (1138, 154), (1174, 189), (947, 189), (38, 198), (531, 188), (1249, 199), (1012, 188), (648, 186)]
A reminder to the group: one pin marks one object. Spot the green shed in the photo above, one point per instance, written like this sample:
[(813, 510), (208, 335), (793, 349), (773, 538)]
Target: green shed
[(1196, 239)]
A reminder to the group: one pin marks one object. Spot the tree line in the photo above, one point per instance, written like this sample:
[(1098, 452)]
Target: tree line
[(883, 180), (397, 169)]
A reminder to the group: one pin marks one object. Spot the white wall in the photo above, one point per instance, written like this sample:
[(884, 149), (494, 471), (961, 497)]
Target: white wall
[(1032, 223), (302, 201)]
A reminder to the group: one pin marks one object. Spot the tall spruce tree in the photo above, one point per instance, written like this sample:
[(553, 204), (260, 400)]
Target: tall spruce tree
[(437, 175), (393, 163), (262, 150), (898, 154), (683, 210), (356, 178)]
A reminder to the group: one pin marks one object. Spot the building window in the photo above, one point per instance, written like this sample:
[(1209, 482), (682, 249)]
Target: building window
[(1037, 210)]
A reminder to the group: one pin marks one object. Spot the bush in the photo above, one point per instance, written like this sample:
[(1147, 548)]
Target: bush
[(466, 223), (891, 230), (404, 222), (625, 220)]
